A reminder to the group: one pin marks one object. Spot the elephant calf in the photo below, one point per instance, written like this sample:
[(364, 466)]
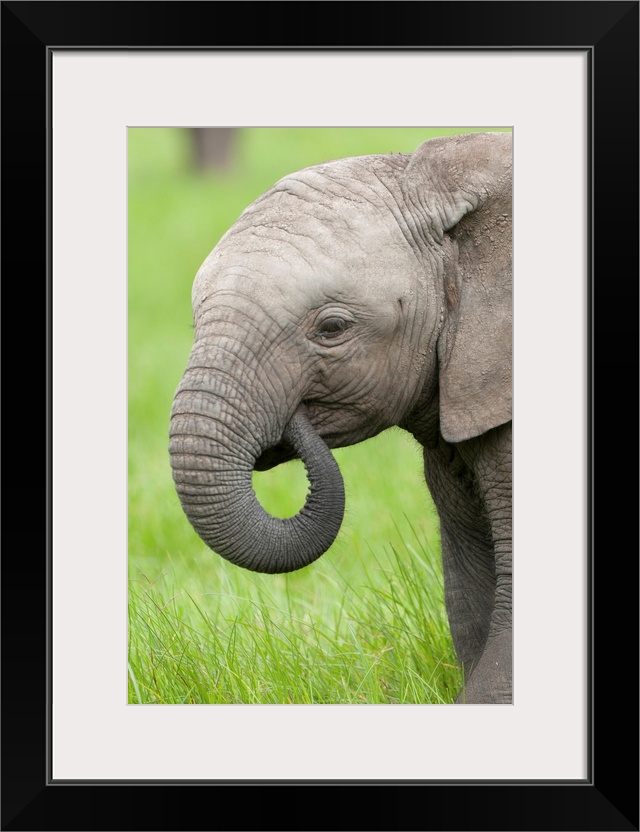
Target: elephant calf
[(352, 296)]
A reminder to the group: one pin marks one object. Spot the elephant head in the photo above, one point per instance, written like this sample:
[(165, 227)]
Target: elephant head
[(352, 296)]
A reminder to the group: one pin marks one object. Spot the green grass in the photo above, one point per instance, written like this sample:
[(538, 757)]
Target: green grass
[(365, 623), (379, 638)]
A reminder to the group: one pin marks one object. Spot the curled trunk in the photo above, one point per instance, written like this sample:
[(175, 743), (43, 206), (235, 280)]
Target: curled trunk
[(213, 457)]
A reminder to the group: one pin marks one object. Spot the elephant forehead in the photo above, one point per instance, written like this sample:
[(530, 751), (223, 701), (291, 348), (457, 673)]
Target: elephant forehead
[(344, 198), (285, 265), (328, 230), (285, 252), (356, 181), (271, 273), (325, 224)]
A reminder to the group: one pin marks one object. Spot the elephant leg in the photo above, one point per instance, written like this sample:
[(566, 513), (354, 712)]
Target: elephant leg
[(489, 457), (467, 551)]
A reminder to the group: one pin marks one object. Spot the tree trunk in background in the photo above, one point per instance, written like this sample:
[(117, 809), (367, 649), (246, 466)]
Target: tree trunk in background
[(213, 146)]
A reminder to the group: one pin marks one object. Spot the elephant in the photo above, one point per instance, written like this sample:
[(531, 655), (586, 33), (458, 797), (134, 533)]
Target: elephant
[(352, 296)]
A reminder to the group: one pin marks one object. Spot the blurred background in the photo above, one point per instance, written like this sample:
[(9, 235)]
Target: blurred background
[(349, 628)]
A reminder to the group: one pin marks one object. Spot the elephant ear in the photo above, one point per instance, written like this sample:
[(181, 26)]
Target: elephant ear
[(462, 186)]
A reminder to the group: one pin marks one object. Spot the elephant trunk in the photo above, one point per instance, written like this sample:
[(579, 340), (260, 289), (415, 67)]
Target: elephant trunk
[(213, 455)]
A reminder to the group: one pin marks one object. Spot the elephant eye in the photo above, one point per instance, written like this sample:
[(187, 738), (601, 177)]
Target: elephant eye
[(332, 327)]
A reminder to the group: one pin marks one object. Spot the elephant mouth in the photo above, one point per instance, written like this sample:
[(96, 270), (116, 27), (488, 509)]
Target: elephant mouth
[(284, 451), (276, 455)]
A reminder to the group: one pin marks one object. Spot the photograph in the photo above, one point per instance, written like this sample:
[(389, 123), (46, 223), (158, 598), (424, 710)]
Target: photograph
[(357, 297), (300, 270)]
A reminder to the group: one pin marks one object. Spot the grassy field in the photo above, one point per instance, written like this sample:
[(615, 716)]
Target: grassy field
[(365, 623)]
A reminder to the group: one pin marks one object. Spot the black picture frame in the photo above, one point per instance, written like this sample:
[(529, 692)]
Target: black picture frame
[(608, 798)]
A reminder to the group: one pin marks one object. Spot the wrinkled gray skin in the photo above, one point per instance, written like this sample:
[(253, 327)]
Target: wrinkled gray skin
[(352, 296)]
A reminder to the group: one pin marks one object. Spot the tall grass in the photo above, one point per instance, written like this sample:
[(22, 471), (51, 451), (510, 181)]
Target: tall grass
[(365, 623), (381, 640)]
